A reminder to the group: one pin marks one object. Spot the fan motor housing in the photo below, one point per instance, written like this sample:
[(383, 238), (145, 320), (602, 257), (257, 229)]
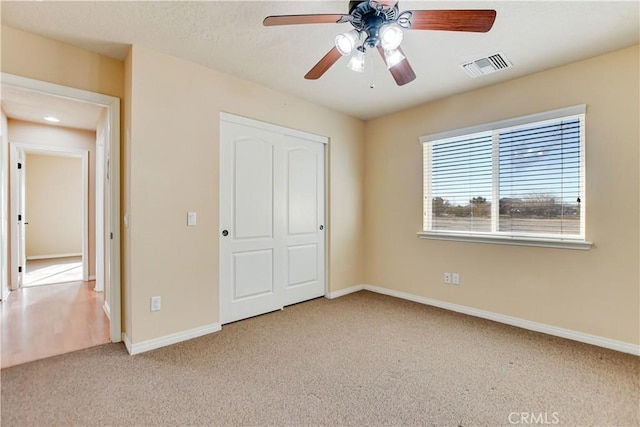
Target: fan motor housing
[(353, 4), (369, 19)]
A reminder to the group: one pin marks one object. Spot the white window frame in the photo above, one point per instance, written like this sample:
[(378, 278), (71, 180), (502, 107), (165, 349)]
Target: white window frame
[(496, 237)]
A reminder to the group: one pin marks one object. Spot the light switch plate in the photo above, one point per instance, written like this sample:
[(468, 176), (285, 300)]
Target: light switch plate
[(192, 218), (155, 303)]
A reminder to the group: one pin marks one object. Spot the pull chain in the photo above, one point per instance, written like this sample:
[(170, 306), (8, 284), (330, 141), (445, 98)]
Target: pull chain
[(371, 70)]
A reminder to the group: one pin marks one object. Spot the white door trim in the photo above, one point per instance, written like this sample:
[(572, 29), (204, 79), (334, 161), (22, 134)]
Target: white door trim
[(16, 228), (99, 217), (112, 104), (232, 118), (14, 148)]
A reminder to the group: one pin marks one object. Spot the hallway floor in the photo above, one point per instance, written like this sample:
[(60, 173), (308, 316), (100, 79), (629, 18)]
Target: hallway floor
[(55, 270), (44, 321)]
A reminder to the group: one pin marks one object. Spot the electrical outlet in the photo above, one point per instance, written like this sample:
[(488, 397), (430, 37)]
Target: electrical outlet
[(456, 278), (447, 278), (155, 303)]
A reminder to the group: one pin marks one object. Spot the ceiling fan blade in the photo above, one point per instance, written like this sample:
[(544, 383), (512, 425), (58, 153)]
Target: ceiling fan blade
[(479, 21), (402, 72), (323, 65), (305, 19)]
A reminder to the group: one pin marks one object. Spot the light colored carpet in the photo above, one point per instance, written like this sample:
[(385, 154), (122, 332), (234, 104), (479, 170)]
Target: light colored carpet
[(363, 359)]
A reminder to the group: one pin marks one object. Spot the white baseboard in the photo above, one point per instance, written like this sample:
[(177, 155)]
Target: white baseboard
[(141, 347), (33, 257), (127, 342), (611, 344), (343, 292), (107, 309), (93, 278)]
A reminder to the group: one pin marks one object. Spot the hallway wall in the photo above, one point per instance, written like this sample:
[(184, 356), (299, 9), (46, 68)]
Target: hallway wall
[(54, 205)]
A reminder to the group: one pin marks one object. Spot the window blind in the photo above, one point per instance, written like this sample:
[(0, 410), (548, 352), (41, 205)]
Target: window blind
[(523, 180), (540, 181), (461, 183)]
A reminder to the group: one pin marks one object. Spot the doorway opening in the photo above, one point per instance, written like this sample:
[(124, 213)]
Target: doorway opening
[(54, 201), (50, 205), (100, 266)]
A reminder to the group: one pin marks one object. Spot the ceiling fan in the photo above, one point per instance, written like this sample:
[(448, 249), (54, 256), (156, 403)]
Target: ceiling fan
[(378, 24)]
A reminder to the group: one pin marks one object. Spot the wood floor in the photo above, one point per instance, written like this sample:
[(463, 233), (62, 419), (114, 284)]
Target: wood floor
[(51, 271), (44, 321)]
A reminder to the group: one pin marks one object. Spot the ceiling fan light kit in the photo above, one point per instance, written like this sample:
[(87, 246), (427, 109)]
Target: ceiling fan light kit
[(393, 57), (381, 25), (346, 42), (356, 63), (390, 36)]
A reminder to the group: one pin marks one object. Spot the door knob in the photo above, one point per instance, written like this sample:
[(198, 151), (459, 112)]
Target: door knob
[(321, 227), (225, 233)]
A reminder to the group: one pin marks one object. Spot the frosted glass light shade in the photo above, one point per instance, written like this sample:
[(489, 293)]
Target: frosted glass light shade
[(356, 63), (393, 57), (346, 42), (390, 36)]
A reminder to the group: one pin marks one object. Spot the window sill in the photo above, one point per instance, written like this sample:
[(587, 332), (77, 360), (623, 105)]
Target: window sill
[(498, 240)]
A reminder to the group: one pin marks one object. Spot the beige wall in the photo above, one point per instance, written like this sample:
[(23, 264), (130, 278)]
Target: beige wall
[(28, 55), (594, 292), (54, 205), (171, 166), (60, 137)]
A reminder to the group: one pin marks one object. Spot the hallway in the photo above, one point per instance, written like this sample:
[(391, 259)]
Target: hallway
[(44, 321)]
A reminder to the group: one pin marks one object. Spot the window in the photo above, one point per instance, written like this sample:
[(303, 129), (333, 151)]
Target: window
[(519, 181)]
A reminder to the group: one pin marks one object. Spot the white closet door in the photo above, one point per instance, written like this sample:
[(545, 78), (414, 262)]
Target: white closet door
[(271, 210), (304, 220), (250, 270)]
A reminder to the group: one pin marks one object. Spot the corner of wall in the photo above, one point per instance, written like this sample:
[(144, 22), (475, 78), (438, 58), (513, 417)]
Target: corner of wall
[(125, 198)]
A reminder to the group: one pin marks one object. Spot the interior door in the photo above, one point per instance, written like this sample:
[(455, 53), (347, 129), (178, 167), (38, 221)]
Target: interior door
[(250, 262), (22, 222), (107, 235), (271, 219)]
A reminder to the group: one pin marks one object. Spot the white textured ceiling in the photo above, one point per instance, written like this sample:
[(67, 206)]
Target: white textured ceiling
[(229, 36)]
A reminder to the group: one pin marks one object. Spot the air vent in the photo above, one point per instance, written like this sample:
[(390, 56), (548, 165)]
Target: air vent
[(487, 65)]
